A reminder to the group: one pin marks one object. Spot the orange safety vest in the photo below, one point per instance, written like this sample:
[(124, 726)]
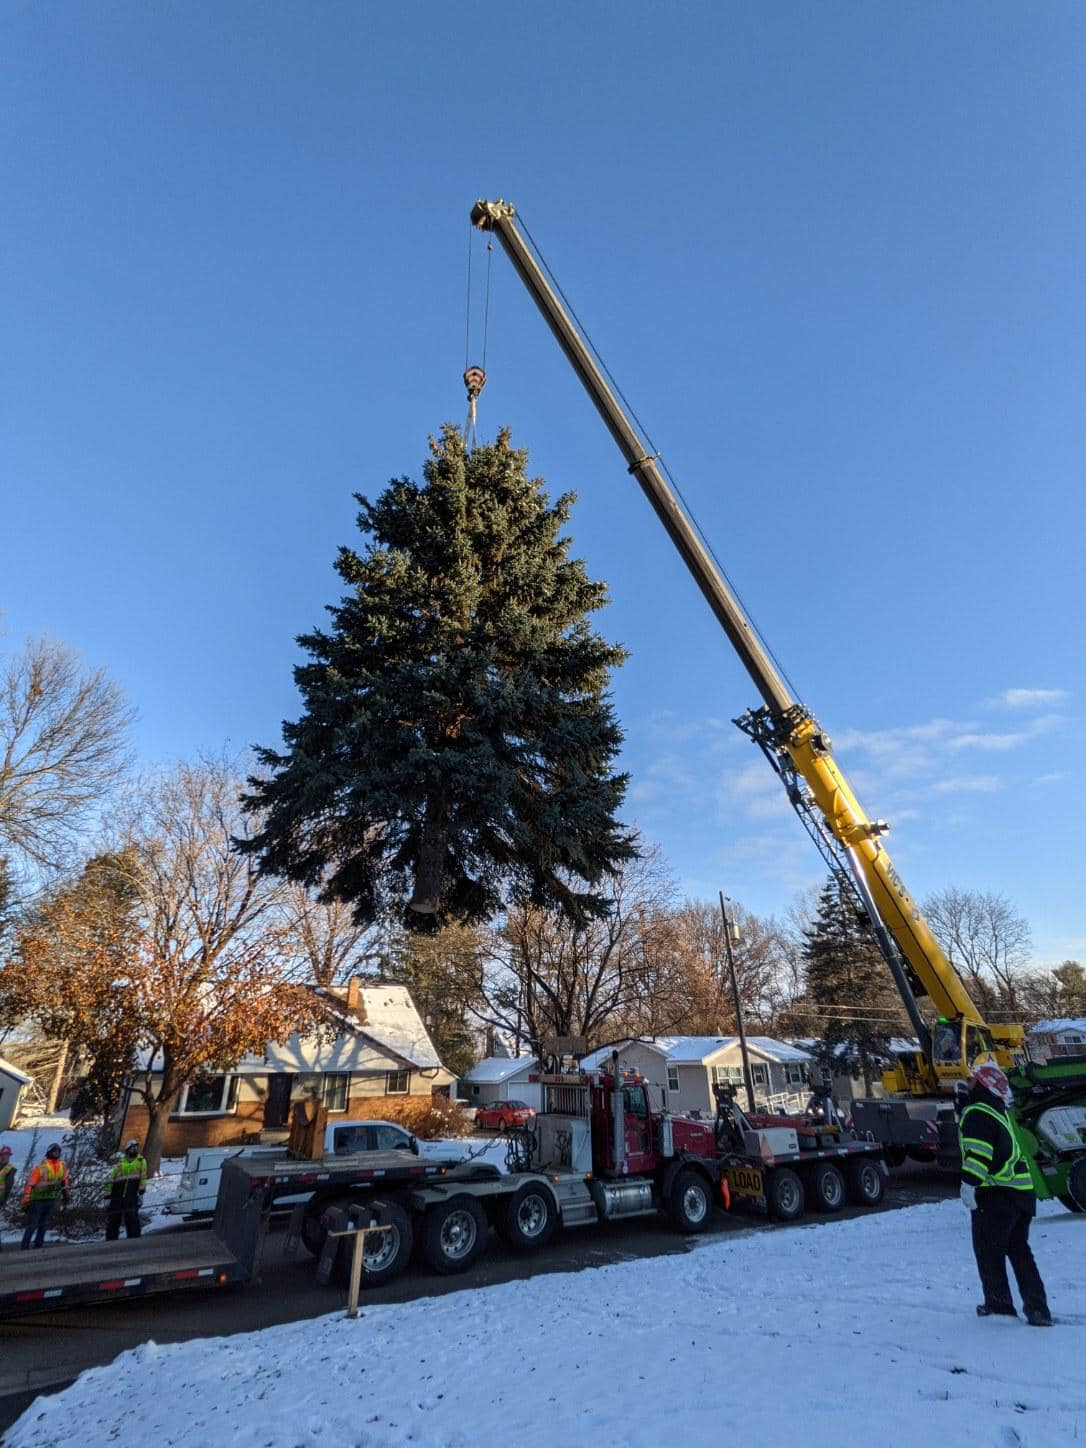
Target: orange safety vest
[(48, 1180)]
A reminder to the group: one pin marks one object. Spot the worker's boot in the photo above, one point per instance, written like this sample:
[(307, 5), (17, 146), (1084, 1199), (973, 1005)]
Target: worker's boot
[(1038, 1317), (986, 1309)]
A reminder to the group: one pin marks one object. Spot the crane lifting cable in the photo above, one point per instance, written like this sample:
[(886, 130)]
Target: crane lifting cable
[(475, 375)]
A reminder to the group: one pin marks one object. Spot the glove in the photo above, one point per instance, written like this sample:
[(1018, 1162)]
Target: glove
[(969, 1197)]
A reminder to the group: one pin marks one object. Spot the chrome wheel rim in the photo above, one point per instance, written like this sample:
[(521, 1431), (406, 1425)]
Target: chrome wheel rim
[(694, 1204), (458, 1234), (532, 1215)]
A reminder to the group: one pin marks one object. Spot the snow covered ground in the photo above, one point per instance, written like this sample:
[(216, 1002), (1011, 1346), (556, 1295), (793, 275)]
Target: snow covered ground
[(849, 1332)]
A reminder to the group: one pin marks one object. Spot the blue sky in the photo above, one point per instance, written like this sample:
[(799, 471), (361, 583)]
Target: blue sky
[(833, 254)]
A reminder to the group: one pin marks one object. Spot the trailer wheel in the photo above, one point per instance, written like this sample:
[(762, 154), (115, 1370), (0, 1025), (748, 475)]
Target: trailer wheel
[(689, 1202), (785, 1195), (454, 1234), (866, 1183), (386, 1254), (1076, 1183), (312, 1233), (529, 1218), (827, 1186)]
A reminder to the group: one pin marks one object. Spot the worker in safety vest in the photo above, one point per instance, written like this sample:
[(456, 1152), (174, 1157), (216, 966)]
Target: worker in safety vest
[(46, 1185), (998, 1190), (7, 1179), (126, 1185)]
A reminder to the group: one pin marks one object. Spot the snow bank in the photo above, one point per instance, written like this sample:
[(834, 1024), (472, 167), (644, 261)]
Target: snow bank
[(850, 1332)]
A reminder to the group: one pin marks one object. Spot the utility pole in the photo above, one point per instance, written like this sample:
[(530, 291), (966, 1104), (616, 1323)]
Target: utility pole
[(731, 936)]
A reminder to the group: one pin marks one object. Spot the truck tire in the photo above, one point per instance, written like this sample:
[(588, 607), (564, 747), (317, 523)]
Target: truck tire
[(1076, 1183), (689, 1202), (826, 1185), (530, 1217), (386, 1254), (784, 1194), (895, 1155), (866, 1183), (1071, 1204), (312, 1233), (454, 1234)]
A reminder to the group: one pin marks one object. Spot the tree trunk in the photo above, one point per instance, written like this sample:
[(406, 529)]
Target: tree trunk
[(58, 1079), (159, 1113), (430, 864)]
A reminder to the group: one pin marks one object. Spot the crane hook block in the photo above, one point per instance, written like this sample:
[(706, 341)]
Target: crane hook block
[(474, 381)]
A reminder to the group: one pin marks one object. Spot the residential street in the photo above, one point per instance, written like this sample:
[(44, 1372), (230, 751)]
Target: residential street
[(48, 1350)]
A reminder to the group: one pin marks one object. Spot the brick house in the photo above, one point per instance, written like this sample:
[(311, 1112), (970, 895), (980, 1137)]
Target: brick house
[(376, 1046)]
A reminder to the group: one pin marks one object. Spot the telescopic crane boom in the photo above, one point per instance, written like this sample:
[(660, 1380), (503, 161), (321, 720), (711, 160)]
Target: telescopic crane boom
[(788, 734)]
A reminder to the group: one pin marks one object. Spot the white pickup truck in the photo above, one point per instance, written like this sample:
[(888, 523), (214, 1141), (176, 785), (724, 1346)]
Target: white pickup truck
[(199, 1187)]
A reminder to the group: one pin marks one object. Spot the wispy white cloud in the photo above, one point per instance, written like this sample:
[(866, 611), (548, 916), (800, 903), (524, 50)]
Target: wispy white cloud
[(968, 784), (753, 793), (1043, 724), (1028, 698), (1056, 777)]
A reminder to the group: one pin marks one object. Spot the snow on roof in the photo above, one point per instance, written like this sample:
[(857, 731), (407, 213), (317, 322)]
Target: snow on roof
[(701, 1048), (392, 1020), (695, 1049), (492, 1070), (1055, 1026), (13, 1071)]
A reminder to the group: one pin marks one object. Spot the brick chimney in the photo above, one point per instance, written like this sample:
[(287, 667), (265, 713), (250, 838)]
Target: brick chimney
[(356, 1004)]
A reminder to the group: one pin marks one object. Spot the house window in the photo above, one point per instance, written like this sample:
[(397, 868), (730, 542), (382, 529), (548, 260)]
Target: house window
[(673, 1078), (760, 1073), (796, 1075), (208, 1096), (399, 1083), (334, 1092), (728, 1075)]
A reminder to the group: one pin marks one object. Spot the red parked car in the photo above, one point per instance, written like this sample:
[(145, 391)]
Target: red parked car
[(504, 1114)]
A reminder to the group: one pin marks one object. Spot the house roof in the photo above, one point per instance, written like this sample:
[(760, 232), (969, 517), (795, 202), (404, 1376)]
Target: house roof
[(386, 1032), (391, 1020), (13, 1071), (493, 1070), (1056, 1025), (695, 1050)]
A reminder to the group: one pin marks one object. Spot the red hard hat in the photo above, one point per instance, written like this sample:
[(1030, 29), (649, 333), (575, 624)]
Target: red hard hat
[(991, 1077)]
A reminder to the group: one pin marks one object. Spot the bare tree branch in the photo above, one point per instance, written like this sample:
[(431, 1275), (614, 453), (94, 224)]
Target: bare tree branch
[(62, 748)]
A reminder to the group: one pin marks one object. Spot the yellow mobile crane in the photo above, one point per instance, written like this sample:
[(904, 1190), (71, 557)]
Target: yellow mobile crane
[(800, 752)]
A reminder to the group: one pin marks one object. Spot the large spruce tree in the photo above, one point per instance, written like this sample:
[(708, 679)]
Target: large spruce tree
[(848, 983), (457, 746)]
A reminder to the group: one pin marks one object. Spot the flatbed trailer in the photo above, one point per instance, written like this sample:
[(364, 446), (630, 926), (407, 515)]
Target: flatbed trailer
[(227, 1253)]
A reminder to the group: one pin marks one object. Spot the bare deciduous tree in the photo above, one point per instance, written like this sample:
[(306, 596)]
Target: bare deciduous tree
[(987, 942), (194, 972), (62, 748), (544, 977), (326, 936)]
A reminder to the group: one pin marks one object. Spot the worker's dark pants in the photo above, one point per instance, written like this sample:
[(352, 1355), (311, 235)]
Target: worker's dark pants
[(1001, 1231), (124, 1205), (37, 1219)]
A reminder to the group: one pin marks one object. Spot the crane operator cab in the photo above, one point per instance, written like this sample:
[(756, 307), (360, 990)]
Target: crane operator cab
[(958, 1046)]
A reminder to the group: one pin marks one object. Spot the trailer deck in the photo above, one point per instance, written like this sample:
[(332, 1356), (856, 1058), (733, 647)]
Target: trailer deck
[(59, 1276)]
